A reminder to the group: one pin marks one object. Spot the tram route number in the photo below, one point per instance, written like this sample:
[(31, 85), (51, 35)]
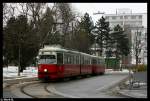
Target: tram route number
[(7, 99)]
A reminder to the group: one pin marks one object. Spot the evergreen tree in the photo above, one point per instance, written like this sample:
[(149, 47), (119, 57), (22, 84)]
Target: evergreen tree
[(19, 42), (81, 41), (9, 38), (82, 38), (103, 37), (87, 25), (47, 22), (120, 42)]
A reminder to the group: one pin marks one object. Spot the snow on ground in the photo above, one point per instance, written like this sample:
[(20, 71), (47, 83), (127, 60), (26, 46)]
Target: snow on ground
[(113, 72), (136, 83), (12, 71)]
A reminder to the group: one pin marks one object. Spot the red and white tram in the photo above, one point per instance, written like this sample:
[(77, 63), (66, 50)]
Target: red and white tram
[(55, 63)]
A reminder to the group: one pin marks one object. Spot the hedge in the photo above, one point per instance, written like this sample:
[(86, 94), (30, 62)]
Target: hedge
[(139, 68)]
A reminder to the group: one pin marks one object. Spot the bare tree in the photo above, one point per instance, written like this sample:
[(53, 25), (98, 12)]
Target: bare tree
[(5, 12), (67, 17), (12, 9), (8, 11), (24, 9), (137, 45), (35, 12)]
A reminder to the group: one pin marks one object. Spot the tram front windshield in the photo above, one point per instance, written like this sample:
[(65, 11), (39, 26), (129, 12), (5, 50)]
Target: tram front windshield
[(47, 59)]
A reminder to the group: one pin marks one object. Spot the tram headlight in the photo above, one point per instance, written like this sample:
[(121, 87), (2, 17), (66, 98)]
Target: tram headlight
[(45, 70)]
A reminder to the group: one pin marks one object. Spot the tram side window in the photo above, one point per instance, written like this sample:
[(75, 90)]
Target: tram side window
[(86, 60), (82, 60), (102, 62), (98, 61), (59, 58), (65, 58), (72, 60), (94, 61), (77, 59), (89, 61), (68, 59), (75, 62)]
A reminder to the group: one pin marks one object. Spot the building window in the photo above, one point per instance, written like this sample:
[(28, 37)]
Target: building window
[(121, 17), (113, 17), (140, 16), (140, 22), (133, 17), (126, 17), (106, 17), (122, 23)]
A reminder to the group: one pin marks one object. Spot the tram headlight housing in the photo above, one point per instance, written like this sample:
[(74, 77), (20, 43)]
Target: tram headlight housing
[(45, 70)]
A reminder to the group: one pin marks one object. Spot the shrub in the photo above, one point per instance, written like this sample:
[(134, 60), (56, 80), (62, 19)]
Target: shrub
[(141, 68), (133, 68)]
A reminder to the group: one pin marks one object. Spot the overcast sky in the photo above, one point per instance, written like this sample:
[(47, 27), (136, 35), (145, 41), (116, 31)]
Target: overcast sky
[(108, 8)]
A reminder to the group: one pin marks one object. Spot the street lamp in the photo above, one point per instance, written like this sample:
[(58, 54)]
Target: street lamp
[(19, 66)]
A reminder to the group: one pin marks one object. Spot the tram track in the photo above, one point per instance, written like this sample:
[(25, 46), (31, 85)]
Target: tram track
[(22, 90), (38, 90)]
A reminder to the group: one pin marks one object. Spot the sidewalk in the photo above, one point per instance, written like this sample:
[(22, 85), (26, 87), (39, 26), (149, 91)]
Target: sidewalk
[(140, 92), (134, 93)]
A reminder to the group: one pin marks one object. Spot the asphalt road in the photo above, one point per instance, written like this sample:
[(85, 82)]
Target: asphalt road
[(91, 87)]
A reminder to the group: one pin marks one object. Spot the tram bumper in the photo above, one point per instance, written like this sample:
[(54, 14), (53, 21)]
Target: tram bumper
[(48, 76)]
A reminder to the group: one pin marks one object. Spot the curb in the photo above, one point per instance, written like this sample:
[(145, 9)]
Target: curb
[(123, 94), (113, 85), (131, 96), (52, 89)]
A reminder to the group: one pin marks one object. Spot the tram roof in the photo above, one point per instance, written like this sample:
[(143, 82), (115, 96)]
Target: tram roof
[(59, 49)]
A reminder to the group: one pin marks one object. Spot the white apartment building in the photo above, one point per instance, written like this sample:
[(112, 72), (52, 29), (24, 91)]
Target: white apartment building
[(135, 22)]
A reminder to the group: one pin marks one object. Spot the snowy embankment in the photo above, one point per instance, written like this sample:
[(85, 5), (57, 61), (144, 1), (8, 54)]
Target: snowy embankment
[(12, 71), (10, 75), (111, 71)]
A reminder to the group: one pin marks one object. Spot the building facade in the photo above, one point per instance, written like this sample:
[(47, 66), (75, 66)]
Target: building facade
[(132, 23)]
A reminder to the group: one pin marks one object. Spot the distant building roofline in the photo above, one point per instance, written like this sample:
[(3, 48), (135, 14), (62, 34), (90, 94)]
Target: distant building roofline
[(125, 14)]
